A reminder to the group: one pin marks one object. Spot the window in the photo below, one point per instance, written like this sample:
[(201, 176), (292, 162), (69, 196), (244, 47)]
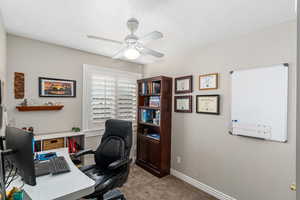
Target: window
[(108, 94)]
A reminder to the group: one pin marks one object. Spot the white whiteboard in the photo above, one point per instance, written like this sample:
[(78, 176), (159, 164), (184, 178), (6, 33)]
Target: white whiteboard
[(259, 102)]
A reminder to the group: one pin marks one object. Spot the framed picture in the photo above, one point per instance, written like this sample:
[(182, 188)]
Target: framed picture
[(208, 81), (183, 104), (208, 104), (184, 84), (50, 87)]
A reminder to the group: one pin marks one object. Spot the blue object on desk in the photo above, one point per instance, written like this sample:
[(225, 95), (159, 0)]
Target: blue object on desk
[(46, 156)]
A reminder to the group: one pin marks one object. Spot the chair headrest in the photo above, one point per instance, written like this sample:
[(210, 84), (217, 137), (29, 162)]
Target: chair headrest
[(120, 128)]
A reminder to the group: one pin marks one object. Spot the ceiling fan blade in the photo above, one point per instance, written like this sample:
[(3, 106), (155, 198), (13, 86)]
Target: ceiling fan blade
[(119, 53), (151, 52), (104, 39), (155, 35)]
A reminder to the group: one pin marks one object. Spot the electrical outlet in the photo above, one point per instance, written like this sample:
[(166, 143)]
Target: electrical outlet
[(178, 159)]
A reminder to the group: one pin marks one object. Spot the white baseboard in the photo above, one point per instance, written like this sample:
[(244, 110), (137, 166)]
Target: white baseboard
[(218, 194)]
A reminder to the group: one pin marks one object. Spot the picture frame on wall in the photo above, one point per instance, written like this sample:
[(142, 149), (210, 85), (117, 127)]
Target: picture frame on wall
[(208, 104), (208, 81), (184, 84), (52, 87), (183, 104)]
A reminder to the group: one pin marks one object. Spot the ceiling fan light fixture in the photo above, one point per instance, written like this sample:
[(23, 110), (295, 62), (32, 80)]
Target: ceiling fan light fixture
[(132, 53)]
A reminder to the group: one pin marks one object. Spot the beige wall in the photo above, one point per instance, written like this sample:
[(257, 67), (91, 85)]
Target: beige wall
[(2, 51), (36, 59), (298, 100), (247, 169)]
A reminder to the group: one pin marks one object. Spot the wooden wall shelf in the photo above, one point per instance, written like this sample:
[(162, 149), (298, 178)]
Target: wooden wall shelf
[(38, 108)]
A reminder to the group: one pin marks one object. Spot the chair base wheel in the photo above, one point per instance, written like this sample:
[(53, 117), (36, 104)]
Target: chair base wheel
[(113, 195)]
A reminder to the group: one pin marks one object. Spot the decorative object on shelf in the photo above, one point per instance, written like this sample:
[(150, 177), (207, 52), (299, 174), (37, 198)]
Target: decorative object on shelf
[(49, 103), (75, 129), (24, 103), (183, 104), (19, 85), (38, 108), (184, 84), (30, 129), (208, 81), (50, 87), (208, 104)]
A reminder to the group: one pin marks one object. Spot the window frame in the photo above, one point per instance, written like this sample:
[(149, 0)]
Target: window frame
[(87, 70)]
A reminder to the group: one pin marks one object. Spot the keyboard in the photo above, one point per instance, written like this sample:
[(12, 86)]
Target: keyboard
[(42, 168), (58, 165)]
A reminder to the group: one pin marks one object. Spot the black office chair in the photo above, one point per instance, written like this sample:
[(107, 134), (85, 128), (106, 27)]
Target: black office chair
[(112, 161)]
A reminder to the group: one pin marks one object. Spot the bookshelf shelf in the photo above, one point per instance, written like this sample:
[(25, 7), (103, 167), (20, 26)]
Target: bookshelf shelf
[(154, 141), (148, 95), (149, 124), (149, 107)]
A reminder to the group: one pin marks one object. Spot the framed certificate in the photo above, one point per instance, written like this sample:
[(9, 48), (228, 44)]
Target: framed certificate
[(184, 85), (183, 104), (208, 104), (208, 81)]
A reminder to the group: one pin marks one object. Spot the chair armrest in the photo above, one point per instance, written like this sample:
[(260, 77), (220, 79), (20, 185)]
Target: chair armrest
[(118, 163), (83, 152)]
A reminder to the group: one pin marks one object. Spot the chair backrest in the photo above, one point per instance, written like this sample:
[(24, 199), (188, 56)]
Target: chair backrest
[(115, 144)]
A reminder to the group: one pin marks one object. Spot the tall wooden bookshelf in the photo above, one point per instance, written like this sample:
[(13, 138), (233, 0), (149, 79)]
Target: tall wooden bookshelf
[(154, 125)]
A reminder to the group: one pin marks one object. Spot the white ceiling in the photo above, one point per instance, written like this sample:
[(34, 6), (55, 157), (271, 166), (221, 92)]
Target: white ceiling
[(185, 24)]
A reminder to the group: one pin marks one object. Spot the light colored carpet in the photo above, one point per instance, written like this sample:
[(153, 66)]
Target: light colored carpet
[(142, 185)]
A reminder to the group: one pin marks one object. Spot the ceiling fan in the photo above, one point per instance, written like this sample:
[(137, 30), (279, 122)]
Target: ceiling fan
[(133, 46)]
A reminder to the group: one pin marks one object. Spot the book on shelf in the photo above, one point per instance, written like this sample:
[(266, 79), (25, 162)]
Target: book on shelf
[(146, 116), (154, 101), (155, 87), (150, 116), (150, 88)]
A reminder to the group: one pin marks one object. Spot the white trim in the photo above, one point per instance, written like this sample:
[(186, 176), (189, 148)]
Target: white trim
[(110, 70), (218, 194)]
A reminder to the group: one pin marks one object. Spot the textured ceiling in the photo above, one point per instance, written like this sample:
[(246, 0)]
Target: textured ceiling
[(185, 24)]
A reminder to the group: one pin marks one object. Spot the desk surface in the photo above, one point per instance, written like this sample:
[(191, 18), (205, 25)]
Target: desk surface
[(68, 186)]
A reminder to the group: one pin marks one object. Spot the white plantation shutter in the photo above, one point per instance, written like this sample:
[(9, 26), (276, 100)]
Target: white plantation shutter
[(126, 99), (103, 97), (108, 94)]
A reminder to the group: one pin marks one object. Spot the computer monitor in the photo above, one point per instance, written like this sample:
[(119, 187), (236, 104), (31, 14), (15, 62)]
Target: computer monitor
[(20, 142)]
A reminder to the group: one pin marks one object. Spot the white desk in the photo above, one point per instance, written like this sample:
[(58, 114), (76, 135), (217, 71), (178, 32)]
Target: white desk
[(68, 186)]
